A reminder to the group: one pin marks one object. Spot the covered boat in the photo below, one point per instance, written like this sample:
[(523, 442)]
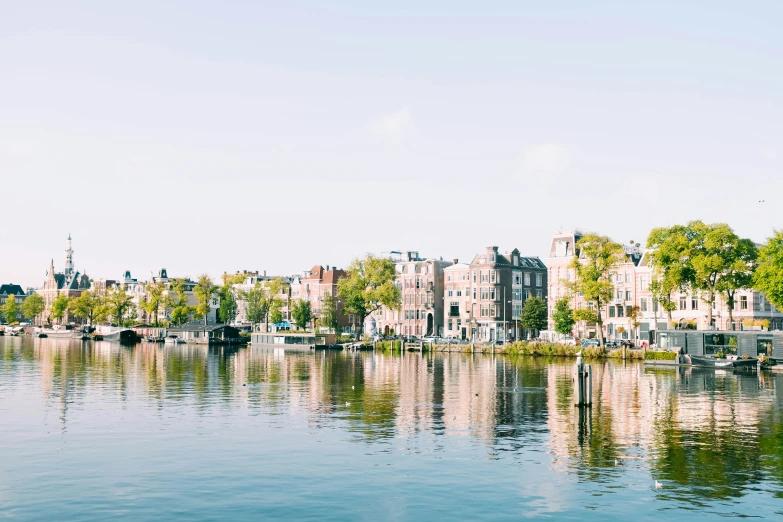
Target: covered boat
[(749, 363)]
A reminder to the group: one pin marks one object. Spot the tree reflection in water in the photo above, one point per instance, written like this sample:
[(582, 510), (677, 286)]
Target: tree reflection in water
[(705, 434)]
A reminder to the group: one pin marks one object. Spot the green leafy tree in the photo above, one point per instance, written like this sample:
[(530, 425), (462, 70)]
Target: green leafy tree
[(177, 300), (369, 284), (205, 290), (228, 306), (227, 311), (257, 304), (275, 312), (669, 257), (301, 313), (534, 315), (277, 287), (598, 256), (634, 314), (88, 306), (738, 273), (33, 306), (120, 305), (329, 315), (10, 309), (768, 278), (563, 317), (714, 249), (155, 299), (60, 307)]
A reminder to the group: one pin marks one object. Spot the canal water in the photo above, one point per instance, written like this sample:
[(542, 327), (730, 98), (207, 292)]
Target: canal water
[(95, 431)]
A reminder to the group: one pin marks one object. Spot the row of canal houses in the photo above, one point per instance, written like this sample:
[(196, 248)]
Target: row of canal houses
[(480, 299)]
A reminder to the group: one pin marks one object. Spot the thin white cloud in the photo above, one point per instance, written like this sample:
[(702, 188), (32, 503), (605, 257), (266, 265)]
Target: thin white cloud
[(542, 163), (545, 158), (393, 126)]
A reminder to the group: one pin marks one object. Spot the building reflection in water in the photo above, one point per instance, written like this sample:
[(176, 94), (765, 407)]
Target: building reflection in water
[(706, 433)]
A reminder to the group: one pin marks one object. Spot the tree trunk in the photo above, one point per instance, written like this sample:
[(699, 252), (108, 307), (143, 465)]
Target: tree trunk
[(730, 303), (709, 310)]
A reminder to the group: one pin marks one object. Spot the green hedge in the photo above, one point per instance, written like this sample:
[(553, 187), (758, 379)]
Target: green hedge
[(389, 345), (660, 356), (553, 350)]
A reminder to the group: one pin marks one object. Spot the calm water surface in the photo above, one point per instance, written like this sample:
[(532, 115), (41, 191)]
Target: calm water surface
[(97, 430)]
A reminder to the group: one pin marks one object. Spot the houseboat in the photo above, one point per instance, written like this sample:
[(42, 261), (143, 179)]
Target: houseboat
[(206, 334), (723, 349)]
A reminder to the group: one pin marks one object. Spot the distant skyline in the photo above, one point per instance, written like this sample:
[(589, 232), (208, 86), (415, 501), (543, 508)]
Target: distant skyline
[(220, 136)]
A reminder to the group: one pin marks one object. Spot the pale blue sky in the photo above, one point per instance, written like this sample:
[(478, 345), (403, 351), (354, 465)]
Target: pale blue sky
[(211, 136)]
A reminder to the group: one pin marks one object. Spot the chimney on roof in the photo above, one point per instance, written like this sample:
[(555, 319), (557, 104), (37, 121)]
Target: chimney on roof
[(264, 273), (327, 268), (456, 260)]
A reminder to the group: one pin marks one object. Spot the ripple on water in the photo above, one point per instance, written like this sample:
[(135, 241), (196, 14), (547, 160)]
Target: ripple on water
[(98, 430)]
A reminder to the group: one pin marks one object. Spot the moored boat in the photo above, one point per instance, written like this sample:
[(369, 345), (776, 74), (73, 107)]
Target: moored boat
[(173, 339), (749, 363)]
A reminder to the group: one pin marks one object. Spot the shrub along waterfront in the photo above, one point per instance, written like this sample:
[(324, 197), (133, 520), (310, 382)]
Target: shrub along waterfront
[(660, 356), (524, 348)]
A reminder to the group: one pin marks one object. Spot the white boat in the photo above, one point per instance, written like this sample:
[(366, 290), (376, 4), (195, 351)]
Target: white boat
[(173, 339)]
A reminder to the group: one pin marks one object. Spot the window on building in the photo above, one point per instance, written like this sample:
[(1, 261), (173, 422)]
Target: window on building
[(484, 293), (611, 311), (492, 293), (643, 304), (449, 279), (628, 278), (474, 276), (655, 306), (527, 278), (459, 291), (611, 277), (527, 294), (540, 294), (492, 274), (627, 295), (619, 294), (618, 278), (474, 293), (620, 311), (539, 279), (683, 303), (743, 302), (643, 282), (694, 303), (450, 292), (449, 324)]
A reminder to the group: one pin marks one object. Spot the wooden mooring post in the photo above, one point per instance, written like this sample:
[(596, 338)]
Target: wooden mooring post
[(583, 384)]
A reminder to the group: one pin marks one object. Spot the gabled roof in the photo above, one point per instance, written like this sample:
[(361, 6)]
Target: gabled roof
[(11, 288)]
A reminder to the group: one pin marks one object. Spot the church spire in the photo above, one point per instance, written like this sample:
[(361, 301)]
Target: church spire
[(69, 259)]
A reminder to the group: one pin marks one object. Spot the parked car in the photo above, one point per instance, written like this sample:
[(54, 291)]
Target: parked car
[(590, 342), (570, 341)]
